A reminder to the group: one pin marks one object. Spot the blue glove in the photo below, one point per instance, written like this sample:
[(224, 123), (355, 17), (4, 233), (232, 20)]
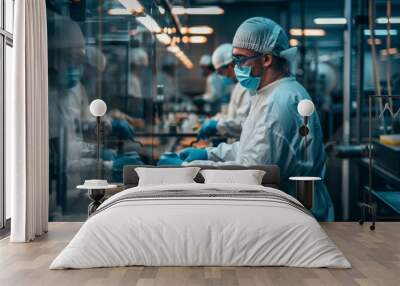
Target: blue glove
[(122, 129), (208, 129), (169, 158), (192, 154), (107, 154)]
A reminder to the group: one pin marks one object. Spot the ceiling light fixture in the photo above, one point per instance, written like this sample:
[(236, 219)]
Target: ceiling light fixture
[(149, 23), (118, 12), (208, 10), (133, 6), (173, 49), (199, 30), (342, 21), (308, 32), (391, 52), (376, 41), (197, 39), (380, 32), (180, 55), (164, 38), (384, 20), (294, 42), (194, 39), (330, 21)]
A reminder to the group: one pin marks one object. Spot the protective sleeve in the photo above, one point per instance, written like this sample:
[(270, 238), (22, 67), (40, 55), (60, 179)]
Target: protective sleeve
[(271, 148), (238, 109), (224, 152), (230, 127)]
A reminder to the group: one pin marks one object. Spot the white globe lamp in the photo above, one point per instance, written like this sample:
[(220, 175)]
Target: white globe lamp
[(305, 108), (98, 108)]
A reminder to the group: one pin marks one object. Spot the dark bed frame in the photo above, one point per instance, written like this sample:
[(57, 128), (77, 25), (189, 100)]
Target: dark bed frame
[(270, 179)]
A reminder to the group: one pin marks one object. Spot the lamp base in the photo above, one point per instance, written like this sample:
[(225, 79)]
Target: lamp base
[(96, 196)]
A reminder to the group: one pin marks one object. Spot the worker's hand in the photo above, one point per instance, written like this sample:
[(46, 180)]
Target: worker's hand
[(107, 154), (193, 154), (122, 129), (208, 129)]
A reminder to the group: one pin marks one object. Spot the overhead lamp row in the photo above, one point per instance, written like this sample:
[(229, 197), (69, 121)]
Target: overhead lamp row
[(322, 32), (180, 55), (163, 34), (342, 20)]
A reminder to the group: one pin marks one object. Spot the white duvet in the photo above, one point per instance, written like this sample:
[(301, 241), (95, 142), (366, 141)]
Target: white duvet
[(200, 231)]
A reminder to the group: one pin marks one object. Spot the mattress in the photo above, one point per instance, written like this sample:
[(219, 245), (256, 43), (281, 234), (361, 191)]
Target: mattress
[(201, 225)]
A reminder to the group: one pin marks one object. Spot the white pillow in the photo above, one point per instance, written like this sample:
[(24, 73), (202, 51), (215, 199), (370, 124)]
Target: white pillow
[(166, 176), (248, 177)]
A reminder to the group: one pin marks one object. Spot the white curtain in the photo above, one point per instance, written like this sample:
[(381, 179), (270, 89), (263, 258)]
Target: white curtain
[(27, 124)]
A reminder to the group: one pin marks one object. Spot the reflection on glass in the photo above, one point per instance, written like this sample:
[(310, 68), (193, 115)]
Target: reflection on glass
[(94, 55)]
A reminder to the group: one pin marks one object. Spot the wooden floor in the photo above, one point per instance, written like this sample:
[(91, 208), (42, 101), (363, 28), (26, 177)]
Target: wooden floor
[(375, 257)]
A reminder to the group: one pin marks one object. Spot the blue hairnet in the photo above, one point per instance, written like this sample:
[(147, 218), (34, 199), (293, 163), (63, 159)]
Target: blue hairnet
[(264, 36)]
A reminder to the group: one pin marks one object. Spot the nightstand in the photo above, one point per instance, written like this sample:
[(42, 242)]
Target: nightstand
[(96, 194), (305, 189)]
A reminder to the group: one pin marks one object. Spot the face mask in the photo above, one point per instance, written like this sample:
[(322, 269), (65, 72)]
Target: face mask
[(243, 75), (70, 77), (227, 80)]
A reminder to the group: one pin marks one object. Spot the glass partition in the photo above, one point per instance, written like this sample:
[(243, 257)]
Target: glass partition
[(99, 50), (144, 63)]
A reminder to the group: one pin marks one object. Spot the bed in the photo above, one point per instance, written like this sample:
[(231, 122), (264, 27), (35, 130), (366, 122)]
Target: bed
[(199, 224)]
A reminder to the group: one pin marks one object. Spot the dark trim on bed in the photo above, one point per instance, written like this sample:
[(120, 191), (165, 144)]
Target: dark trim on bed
[(270, 179)]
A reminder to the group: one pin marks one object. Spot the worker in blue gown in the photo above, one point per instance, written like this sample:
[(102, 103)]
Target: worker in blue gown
[(270, 134)]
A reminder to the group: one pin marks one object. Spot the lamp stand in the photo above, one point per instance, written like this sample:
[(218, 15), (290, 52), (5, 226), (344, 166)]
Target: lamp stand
[(98, 147), (303, 130)]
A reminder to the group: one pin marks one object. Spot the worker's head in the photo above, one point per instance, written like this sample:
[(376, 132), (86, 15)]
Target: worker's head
[(95, 58), (223, 62), (139, 60), (95, 64), (261, 52), (168, 66), (67, 53), (206, 65)]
